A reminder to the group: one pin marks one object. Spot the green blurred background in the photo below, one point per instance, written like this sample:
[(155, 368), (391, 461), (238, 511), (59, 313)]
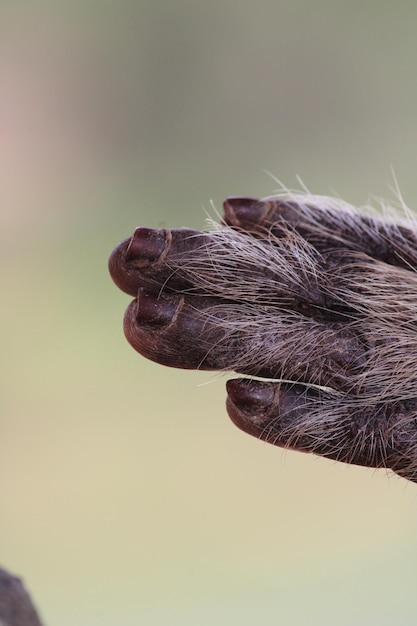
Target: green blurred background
[(127, 495)]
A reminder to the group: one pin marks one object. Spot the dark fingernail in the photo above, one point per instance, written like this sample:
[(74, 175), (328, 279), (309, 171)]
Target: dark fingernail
[(243, 212), (250, 395), (146, 243), (153, 310)]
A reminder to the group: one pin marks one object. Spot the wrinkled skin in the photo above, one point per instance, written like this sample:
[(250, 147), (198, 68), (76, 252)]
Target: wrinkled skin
[(304, 292)]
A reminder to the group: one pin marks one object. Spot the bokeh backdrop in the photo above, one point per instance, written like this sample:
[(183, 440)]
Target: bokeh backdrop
[(126, 495)]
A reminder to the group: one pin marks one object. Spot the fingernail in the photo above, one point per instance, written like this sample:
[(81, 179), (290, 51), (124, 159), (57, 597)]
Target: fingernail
[(250, 395), (243, 212), (152, 310), (147, 244)]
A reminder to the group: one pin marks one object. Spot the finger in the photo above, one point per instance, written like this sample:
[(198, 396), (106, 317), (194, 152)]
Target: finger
[(311, 420), (172, 330), (225, 264), (147, 259), (327, 224), (195, 332)]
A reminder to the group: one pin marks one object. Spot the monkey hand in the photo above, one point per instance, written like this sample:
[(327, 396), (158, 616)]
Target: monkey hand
[(314, 299)]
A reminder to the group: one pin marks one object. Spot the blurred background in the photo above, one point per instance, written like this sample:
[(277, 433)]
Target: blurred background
[(127, 496)]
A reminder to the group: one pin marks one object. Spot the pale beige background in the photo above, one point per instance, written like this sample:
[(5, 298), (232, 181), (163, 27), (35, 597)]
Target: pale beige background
[(127, 496)]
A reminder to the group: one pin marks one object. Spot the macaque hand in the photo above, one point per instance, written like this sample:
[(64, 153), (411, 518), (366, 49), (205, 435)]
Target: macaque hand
[(314, 302)]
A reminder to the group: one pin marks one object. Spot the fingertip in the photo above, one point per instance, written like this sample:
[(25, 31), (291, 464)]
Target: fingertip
[(156, 310), (243, 212), (249, 404), (146, 317), (250, 395), (145, 321), (146, 245), (119, 270)]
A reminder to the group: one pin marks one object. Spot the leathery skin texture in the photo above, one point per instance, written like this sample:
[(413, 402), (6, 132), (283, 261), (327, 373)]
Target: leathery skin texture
[(313, 302)]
